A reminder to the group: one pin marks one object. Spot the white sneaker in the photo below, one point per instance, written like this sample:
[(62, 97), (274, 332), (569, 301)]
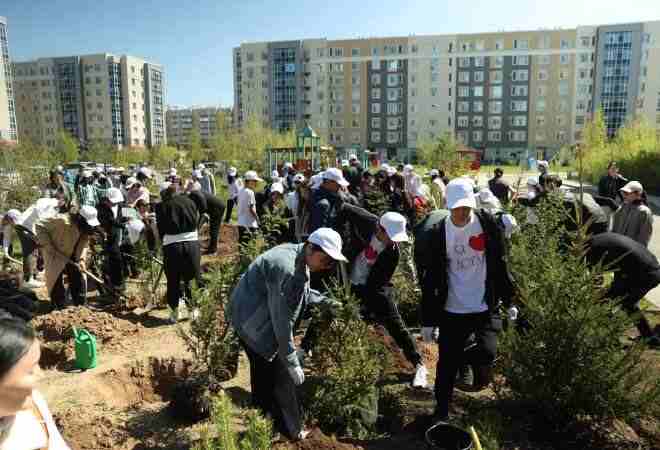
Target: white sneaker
[(195, 314), (303, 434), (34, 284), (175, 315), (421, 374)]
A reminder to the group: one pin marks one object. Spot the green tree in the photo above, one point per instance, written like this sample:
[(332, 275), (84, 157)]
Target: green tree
[(66, 148), (98, 151), (442, 153), (195, 140)]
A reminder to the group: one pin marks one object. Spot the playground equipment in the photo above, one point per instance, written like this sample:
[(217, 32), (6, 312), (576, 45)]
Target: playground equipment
[(307, 156)]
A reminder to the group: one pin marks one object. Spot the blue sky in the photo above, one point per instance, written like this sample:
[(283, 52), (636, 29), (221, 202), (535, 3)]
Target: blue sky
[(193, 39)]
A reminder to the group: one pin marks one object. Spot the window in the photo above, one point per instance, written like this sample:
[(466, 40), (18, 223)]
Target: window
[(375, 64), (584, 58), (579, 120), (540, 121), (355, 52), (463, 62), (413, 92), (393, 137), (478, 91), (560, 120), (463, 121), (375, 108), (413, 48), (478, 106), (478, 77), (519, 91), (375, 122), (394, 108), (497, 61), (435, 77), (494, 122), (494, 136), (581, 106), (496, 76), (540, 105), (519, 121), (374, 51), (563, 88), (543, 60), (496, 92), (518, 106), (564, 59), (520, 75), (434, 92), (499, 44), (463, 107), (477, 136), (461, 136), (393, 79), (565, 43), (336, 52), (355, 80), (545, 42), (495, 107), (517, 136), (392, 66), (520, 44), (543, 75), (561, 136), (521, 60), (463, 91), (413, 108), (563, 74), (394, 94), (355, 108), (478, 61), (393, 123), (541, 90), (477, 121), (463, 77), (585, 41)]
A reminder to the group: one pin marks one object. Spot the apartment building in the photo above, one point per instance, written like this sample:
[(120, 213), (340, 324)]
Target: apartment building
[(180, 123), (7, 106), (118, 100), (511, 94)]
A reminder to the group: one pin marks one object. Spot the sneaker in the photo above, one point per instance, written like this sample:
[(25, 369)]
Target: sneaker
[(34, 284), (195, 314), (303, 434), (421, 374)]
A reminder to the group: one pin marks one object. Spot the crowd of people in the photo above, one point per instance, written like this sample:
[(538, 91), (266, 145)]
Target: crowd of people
[(450, 233)]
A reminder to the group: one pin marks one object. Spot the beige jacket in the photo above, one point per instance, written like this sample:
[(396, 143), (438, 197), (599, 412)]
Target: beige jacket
[(58, 237)]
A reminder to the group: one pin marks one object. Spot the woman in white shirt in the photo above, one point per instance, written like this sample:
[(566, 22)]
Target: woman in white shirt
[(25, 421), (248, 220)]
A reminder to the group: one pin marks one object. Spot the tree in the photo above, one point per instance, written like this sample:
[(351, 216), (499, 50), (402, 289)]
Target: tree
[(66, 148), (99, 152), (442, 153), (195, 140)]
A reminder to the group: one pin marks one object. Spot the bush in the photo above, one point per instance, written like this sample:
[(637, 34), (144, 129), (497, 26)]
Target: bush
[(258, 434), (569, 361), (347, 365)]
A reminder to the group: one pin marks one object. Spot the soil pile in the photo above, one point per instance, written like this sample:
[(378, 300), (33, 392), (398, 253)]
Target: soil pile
[(316, 441)]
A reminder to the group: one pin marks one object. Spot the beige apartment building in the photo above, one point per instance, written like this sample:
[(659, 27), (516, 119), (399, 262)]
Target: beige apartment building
[(511, 94), (117, 100), (7, 106), (180, 123)]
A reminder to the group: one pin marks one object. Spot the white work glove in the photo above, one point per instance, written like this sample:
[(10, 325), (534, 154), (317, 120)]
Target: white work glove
[(430, 334), (301, 354), (297, 375), (512, 313)]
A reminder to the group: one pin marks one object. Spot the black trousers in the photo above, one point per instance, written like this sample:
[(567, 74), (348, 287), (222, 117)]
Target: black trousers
[(384, 310), (28, 247), (230, 207), (58, 293), (274, 392), (454, 331), (214, 232), (245, 234), (181, 262), (115, 264), (631, 291)]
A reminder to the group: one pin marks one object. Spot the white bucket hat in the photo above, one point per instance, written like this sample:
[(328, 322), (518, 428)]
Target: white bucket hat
[(329, 241), (201, 166), (395, 226), (251, 175), (115, 196), (460, 193), (90, 215), (408, 168), (232, 171), (277, 187), (334, 174), (299, 178), (172, 172)]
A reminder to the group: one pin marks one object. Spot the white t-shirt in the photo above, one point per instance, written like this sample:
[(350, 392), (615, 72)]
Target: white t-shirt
[(246, 201), (466, 255)]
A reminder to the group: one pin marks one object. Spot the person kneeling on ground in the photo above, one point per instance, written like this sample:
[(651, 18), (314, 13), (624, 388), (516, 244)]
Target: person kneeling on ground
[(371, 275), (636, 272), (266, 305), (64, 240), (464, 278)]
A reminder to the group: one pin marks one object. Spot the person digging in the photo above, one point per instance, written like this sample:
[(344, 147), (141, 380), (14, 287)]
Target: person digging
[(266, 307)]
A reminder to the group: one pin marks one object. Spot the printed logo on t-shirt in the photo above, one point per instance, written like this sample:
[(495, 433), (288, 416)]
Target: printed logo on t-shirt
[(478, 242)]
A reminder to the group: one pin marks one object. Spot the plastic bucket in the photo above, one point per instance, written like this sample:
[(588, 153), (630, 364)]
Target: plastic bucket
[(443, 436)]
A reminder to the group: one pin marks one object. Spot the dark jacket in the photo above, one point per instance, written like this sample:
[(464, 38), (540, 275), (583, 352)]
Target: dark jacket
[(325, 207), (609, 186), (628, 258), (176, 215), (208, 204), (432, 269)]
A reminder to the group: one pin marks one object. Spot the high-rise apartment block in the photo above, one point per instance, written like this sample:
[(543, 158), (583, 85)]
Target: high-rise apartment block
[(180, 123), (7, 106), (116, 100), (508, 93)]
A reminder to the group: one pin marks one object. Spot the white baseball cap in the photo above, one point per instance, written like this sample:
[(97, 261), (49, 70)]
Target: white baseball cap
[(251, 175), (316, 180), (543, 164), (145, 171), (395, 226), (334, 174), (632, 186), (115, 196), (345, 163), (434, 173), (201, 166), (232, 171), (59, 168), (132, 181), (352, 157), (299, 178), (277, 187), (391, 171), (288, 165), (460, 193), (173, 172), (13, 214), (408, 168), (121, 169), (197, 173), (533, 181), (90, 215), (86, 173), (165, 185), (329, 241)]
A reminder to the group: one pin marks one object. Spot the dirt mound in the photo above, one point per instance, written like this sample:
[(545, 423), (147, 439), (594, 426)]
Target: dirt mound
[(398, 362), (316, 441), (110, 331)]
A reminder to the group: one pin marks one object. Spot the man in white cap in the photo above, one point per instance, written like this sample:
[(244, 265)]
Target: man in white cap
[(464, 278), (113, 224), (64, 239), (234, 186), (634, 218), (144, 175), (207, 179), (326, 200), (371, 274), (265, 309), (136, 190), (248, 219)]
